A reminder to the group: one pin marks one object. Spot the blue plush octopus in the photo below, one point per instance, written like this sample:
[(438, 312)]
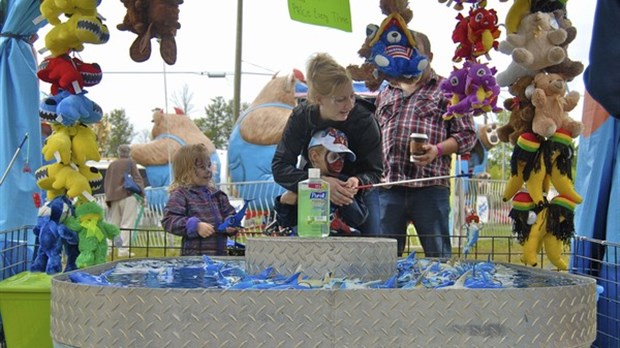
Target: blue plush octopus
[(52, 235)]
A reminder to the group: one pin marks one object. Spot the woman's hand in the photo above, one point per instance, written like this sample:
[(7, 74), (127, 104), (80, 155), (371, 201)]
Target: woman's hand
[(205, 229), (339, 191)]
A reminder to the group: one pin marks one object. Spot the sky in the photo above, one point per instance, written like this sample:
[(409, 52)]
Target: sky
[(272, 42)]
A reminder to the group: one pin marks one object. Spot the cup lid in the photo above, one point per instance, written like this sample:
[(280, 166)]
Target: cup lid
[(418, 135)]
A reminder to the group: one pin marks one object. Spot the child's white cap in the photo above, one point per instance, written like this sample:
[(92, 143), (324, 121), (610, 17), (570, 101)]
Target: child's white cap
[(333, 140)]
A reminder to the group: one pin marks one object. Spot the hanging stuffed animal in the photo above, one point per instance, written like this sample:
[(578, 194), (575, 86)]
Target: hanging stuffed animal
[(521, 111), (475, 34), (454, 89), (568, 68), (70, 74), (390, 50), (551, 106), (534, 47), (74, 33), (526, 166), (481, 92), (52, 235), (93, 233), (69, 109), (552, 230), (152, 19), (51, 9)]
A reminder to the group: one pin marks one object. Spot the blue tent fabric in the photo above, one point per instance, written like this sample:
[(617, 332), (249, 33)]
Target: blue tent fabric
[(597, 180), (19, 101)]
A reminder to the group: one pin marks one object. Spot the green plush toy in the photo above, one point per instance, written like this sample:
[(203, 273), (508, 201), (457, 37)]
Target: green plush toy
[(92, 233)]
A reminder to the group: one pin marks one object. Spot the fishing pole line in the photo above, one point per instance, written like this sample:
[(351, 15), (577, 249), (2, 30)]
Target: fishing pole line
[(409, 181)]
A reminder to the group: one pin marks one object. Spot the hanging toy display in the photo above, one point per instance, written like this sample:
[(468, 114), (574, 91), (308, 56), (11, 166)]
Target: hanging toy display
[(472, 89), (67, 179)]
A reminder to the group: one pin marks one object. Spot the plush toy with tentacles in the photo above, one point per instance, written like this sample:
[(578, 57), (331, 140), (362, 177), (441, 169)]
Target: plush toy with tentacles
[(93, 233), (52, 235)]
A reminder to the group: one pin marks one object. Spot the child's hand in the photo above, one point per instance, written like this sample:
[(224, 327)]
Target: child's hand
[(205, 229), (288, 197), (232, 231), (340, 194)]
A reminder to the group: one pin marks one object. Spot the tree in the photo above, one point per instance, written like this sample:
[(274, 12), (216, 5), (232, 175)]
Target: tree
[(121, 131), (183, 100), (499, 156), (218, 121), (102, 130), (143, 136)]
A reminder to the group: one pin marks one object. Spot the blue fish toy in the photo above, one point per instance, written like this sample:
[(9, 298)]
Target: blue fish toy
[(235, 220)]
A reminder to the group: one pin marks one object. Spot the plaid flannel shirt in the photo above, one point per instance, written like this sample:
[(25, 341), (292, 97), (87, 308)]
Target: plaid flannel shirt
[(420, 112)]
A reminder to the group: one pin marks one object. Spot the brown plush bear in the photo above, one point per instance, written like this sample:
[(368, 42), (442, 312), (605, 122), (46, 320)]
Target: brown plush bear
[(568, 69), (263, 122), (535, 46), (521, 112), (152, 19), (167, 130), (552, 104)]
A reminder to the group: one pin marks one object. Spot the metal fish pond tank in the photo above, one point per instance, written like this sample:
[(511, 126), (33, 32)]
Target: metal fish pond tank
[(537, 316)]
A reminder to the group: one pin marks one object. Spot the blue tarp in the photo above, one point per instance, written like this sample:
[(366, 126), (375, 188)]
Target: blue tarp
[(19, 103)]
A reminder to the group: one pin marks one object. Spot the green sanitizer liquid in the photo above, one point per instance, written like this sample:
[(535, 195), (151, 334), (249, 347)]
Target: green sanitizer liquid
[(313, 206)]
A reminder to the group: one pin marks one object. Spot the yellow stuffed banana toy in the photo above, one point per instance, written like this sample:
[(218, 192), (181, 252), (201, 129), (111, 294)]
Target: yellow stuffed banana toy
[(517, 11), (554, 228), (558, 154), (526, 167)]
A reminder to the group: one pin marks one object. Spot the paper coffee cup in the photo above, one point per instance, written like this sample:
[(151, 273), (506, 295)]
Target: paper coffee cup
[(416, 141)]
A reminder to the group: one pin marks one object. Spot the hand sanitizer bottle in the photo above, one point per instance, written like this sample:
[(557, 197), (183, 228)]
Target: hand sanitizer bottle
[(313, 206)]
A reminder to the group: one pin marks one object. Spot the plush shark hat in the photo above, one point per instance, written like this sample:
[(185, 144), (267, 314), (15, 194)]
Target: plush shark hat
[(333, 140)]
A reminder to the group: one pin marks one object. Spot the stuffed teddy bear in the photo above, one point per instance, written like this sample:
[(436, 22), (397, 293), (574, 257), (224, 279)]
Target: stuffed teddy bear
[(551, 106), (521, 111), (74, 33), (475, 34), (52, 235), (393, 50), (92, 232), (568, 68), (389, 49), (152, 19), (169, 133), (535, 46)]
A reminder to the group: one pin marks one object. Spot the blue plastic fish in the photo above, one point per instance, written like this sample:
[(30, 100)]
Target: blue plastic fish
[(89, 279), (235, 220), (472, 238)]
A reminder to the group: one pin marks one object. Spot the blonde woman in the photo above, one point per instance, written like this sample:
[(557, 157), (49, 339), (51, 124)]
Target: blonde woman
[(331, 103), (196, 207)]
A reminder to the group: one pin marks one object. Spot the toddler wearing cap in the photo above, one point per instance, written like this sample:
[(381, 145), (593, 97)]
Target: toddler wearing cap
[(327, 150)]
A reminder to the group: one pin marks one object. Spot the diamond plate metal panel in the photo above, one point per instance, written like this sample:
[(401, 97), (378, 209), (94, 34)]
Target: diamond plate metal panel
[(364, 258), (89, 316)]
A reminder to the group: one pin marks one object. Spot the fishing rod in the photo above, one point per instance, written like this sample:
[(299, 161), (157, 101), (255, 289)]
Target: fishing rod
[(19, 148), (409, 181)]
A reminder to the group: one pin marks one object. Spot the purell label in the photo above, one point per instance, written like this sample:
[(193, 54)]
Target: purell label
[(318, 195)]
